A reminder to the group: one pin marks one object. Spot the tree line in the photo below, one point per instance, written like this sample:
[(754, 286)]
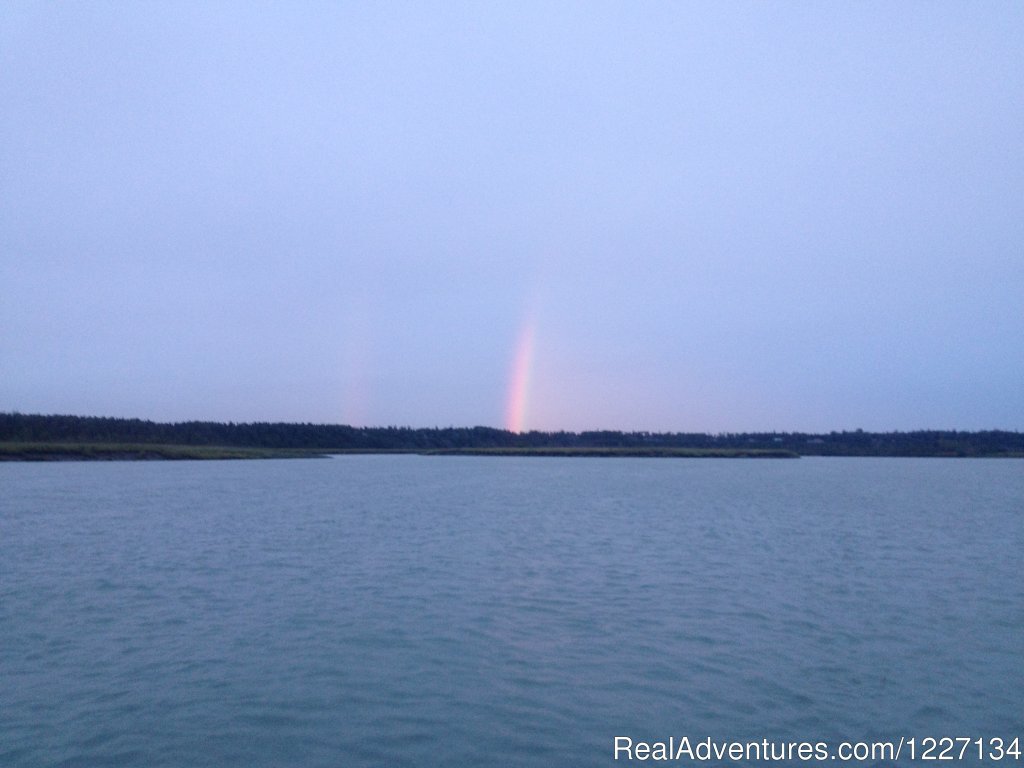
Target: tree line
[(35, 428)]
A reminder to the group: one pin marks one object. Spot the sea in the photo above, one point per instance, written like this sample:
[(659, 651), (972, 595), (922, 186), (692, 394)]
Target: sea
[(401, 610)]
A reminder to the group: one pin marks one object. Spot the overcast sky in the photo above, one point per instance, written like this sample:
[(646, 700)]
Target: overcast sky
[(554, 215)]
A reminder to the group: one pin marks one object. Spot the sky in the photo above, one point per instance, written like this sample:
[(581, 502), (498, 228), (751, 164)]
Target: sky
[(674, 217)]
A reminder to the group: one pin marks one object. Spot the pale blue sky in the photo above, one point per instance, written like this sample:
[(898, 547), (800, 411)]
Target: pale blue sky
[(713, 216)]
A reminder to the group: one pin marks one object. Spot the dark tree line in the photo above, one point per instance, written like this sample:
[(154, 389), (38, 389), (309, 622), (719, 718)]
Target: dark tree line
[(16, 427)]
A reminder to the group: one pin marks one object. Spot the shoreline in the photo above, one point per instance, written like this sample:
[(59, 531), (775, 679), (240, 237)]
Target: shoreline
[(37, 452), (28, 451), (645, 453)]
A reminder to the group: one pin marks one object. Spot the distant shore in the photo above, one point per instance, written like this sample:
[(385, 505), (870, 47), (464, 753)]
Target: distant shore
[(140, 452), (651, 453), (37, 437), (23, 451)]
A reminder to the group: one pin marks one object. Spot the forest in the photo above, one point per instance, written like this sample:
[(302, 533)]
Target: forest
[(17, 428)]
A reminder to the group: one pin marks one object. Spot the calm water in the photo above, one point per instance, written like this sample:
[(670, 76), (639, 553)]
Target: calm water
[(418, 611)]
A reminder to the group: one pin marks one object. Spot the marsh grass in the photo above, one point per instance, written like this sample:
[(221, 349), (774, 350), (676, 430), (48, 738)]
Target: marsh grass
[(25, 451), (683, 453)]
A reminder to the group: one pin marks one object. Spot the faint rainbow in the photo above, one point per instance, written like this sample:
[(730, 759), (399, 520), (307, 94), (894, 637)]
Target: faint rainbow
[(519, 380)]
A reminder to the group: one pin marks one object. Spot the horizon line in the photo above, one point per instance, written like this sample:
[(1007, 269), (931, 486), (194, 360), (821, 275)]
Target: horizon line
[(857, 430)]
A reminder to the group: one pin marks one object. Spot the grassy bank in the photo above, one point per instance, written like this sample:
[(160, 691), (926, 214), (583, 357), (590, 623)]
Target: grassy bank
[(655, 453), (22, 451), (69, 451)]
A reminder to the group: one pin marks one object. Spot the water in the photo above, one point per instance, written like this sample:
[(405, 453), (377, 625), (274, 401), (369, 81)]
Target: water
[(463, 611)]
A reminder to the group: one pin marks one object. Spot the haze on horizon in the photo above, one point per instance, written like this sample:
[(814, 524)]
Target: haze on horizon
[(700, 217)]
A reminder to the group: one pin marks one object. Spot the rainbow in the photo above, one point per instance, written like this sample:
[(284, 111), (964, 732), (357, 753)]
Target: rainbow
[(519, 380)]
